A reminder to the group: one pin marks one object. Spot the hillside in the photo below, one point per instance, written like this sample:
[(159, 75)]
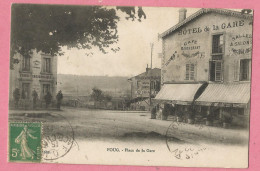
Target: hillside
[(82, 85)]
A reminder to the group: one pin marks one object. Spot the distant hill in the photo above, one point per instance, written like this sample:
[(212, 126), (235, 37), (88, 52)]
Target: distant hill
[(82, 85)]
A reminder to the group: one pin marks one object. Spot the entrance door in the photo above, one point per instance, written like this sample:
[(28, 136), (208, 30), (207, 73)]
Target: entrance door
[(45, 89), (25, 90)]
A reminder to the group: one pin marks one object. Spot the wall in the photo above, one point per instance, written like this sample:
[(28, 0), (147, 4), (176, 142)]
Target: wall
[(35, 76), (193, 44), (144, 86)]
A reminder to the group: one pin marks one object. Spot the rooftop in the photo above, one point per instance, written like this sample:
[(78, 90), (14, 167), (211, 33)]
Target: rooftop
[(205, 11), (155, 72)]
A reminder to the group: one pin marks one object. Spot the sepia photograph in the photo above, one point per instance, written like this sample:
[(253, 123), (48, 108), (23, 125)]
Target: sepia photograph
[(125, 85)]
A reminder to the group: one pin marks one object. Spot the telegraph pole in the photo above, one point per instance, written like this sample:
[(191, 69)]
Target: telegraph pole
[(150, 94)]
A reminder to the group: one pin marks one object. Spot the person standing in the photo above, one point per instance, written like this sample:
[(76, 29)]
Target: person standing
[(35, 98), (16, 95), (59, 98)]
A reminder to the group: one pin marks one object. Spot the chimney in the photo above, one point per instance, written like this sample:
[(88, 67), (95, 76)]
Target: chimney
[(147, 69), (182, 14)]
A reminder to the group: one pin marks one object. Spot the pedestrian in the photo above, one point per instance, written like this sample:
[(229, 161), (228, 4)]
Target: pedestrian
[(16, 95), (59, 98), (35, 98), (48, 98)]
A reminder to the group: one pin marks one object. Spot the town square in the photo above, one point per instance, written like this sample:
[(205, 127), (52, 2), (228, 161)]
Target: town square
[(140, 85)]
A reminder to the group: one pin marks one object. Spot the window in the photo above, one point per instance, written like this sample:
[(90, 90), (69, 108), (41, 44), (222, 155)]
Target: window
[(26, 64), (158, 86), (25, 90), (215, 68), (245, 69), (216, 65), (138, 84), (190, 70), (46, 65), (45, 89), (217, 44), (153, 85), (240, 111)]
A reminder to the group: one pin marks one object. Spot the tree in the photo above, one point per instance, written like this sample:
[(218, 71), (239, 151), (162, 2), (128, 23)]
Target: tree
[(47, 28), (97, 94), (107, 97)]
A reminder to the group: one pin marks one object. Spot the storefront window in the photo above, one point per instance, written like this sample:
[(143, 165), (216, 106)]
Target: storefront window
[(241, 111), (26, 64), (245, 69)]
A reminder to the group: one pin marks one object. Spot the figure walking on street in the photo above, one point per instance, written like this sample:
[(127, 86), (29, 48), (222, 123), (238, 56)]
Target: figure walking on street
[(59, 98)]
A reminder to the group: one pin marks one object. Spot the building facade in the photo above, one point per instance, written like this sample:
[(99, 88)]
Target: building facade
[(140, 88), (207, 61), (140, 84), (37, 72)]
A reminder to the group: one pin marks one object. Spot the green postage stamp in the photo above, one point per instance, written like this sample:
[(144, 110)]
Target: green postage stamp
[(25, 141)]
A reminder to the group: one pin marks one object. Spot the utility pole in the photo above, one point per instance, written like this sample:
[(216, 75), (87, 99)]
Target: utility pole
[(150, 75)]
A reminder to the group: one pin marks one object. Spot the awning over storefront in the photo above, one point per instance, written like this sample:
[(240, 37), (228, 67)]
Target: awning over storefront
[(178, 93), (235, 94)]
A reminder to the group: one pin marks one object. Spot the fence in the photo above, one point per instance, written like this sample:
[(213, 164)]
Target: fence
[(26, 104)]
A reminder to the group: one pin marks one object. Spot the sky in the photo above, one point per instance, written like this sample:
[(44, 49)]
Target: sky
[(134, 41)]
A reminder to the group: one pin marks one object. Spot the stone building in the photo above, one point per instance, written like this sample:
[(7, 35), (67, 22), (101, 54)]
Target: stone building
[(37, 72), (140, 87), (140, 84), (207, 62)]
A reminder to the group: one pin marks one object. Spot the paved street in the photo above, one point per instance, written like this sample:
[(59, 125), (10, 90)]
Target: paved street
[(96, 131), (123, 125)]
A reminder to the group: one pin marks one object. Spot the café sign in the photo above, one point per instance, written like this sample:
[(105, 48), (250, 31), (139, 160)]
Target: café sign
[(25, 75)]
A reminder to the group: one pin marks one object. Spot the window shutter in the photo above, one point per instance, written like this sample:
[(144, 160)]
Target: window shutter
[(222, 70), (218, 71), (187, 71), (250, 69), (209, 71), (195, 71), (43, 64), (192, 70), (236, 70)]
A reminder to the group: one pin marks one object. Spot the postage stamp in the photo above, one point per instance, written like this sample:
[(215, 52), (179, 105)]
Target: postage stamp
[(25, 142)]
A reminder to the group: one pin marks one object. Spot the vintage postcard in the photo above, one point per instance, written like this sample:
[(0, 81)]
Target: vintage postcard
[(147, 86)]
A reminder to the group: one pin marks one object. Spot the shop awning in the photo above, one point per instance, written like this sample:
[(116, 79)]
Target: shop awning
[(234, 94), (178, 93)]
